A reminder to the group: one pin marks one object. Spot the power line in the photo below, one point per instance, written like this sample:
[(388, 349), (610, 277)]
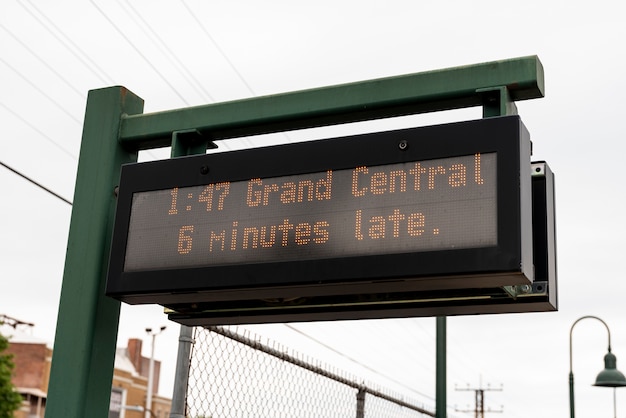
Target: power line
[(42, 61), (35, 183), (219, 49), (138, 51), (230, 63), (81, 56), (167, 52), (43, 93), (39, 131)]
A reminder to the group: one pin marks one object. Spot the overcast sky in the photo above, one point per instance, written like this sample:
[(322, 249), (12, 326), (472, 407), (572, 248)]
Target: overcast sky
[(176, 54)]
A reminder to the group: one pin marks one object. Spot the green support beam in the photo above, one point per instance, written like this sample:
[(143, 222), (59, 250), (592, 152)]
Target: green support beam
[(386, 97), (86, 333)]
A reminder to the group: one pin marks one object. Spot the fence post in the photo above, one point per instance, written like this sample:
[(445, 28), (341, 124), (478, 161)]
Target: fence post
[(441, 373), (360, 403), (181, 376)]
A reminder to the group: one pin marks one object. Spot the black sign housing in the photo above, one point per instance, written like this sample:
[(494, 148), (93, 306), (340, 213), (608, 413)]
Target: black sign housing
[(423, 209)]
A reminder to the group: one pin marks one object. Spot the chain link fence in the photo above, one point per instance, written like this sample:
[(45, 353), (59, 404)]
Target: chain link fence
[(235, 375)]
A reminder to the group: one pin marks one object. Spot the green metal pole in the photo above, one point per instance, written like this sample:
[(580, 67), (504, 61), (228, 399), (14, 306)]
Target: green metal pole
[(571, 394), (496, 101), (183, 144), (86, 334), (571, 359), (441, 379)]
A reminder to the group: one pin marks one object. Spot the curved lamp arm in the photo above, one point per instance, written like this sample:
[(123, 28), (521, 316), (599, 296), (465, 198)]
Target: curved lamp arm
[(571, 373), (572, 329)]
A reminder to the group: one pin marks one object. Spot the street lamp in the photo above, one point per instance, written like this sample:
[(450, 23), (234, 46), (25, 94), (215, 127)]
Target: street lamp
[(609, 377), (148, 408)]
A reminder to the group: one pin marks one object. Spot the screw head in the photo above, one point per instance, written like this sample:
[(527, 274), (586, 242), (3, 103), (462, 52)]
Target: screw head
[(403, 145), (204, 169)]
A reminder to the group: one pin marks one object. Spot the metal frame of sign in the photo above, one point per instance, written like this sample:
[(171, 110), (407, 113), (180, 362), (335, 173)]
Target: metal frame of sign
[(507, 263)]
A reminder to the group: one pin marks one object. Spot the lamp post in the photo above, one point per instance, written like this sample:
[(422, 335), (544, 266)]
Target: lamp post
[(148, 408), (609, 377)]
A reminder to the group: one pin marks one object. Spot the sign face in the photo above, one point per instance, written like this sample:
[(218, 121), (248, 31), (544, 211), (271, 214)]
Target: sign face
[(428, 205), (412, 209)]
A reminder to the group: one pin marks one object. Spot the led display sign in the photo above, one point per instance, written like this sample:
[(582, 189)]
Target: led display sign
[(447, 203), (444, 206)]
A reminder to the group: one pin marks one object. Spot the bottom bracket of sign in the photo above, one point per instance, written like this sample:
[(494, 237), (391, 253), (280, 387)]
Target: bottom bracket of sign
[(535, 298)]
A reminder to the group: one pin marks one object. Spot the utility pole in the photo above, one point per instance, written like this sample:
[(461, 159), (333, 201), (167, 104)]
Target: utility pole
[(479, 402)]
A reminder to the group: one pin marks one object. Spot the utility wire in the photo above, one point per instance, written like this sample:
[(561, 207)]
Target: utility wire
[(43, 93), (204, 30), (171, 56), (216, 45), (83, 57), (35, 183), (138, 51), (39, 131), (42, 61)]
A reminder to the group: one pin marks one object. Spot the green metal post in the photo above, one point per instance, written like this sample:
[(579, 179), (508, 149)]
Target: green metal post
[(571, 395), (496, 101), (86, 334), (441, 360), (188, 143), (184, 143)]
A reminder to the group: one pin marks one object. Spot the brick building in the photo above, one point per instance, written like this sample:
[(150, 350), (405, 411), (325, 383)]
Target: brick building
[(130, 383), (32, 358)]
